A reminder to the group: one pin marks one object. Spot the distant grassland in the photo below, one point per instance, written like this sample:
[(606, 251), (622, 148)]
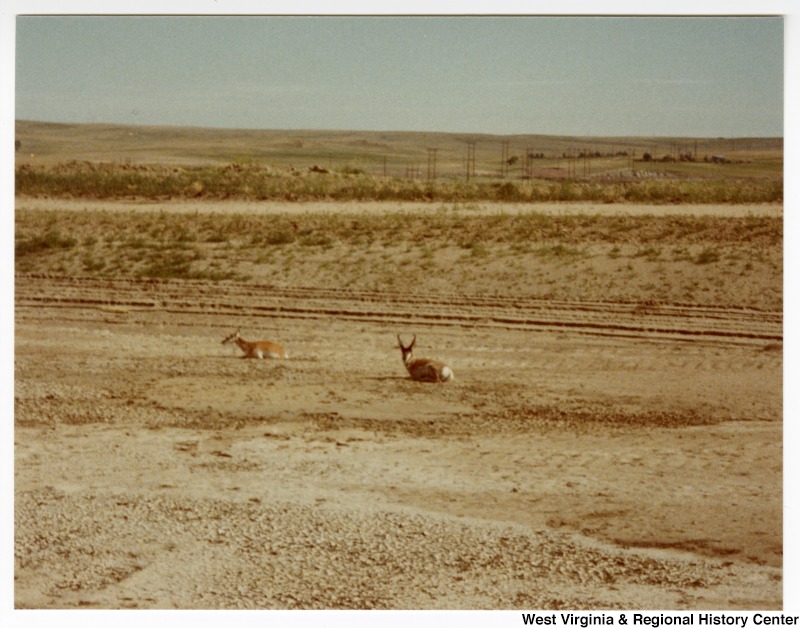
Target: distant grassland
[(118, 162), (113, 181)]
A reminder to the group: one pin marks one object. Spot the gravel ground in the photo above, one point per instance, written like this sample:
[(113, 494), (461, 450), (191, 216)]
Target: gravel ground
[(127, 550)]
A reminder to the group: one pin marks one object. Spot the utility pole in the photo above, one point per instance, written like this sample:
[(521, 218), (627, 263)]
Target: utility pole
[(528, 165), (470, 163), (432, 163)]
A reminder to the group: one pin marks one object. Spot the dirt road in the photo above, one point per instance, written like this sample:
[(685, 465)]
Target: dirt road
[(588, 455)]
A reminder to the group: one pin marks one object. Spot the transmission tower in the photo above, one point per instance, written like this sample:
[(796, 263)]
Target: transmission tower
[(432, 163), (470, 163)]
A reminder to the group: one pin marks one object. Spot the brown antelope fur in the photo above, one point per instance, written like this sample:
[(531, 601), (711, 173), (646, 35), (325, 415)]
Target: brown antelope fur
[(423, 369), (259, 349)]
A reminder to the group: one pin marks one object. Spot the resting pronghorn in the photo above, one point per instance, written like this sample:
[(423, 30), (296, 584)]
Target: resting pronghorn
[(423, 369), (258, 349)]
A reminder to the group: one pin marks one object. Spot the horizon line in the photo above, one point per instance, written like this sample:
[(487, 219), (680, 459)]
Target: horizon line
[(415, 132)]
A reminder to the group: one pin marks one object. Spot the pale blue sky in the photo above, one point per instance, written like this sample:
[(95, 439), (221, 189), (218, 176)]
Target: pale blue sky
[(691, 76)]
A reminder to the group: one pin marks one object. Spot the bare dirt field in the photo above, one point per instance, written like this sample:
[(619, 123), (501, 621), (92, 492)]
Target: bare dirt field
[(595, 451)]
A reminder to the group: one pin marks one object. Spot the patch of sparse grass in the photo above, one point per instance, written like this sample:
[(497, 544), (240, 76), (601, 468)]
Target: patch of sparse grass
[(184, 235), (316, 239), (559, 251), (478, 249), (650, 253), (93, 265), (280, 237), (564, 256), (708, 255), (178, 264), (136, 242), (48, 241), (521, 246), (681, 254), (175, 265)]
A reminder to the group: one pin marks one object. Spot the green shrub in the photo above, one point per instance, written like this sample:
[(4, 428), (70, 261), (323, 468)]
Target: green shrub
[(50, 240)]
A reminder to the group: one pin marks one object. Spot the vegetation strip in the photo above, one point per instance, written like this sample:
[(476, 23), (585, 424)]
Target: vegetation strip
[(262, 183)]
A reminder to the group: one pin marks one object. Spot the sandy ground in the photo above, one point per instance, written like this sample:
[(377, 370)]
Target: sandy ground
[(201, 206), (629, 459)]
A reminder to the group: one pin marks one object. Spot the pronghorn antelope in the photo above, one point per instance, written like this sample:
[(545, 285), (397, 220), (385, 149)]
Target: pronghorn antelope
[(258, 349), (423, 369)]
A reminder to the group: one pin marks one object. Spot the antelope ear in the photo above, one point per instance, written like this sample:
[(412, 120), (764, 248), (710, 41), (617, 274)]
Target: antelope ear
[(413, 342)]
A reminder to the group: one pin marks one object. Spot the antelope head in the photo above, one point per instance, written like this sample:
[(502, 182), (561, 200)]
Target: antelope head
[(233, 337), (406, 350)]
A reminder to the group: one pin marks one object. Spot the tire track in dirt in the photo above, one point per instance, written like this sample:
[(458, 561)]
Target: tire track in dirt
[(627, 319)]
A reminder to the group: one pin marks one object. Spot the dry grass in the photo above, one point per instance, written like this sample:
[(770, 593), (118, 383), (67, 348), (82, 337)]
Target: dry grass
[(698, 259), (262, 183), (707, 259), (112, 162), (370, 151)]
